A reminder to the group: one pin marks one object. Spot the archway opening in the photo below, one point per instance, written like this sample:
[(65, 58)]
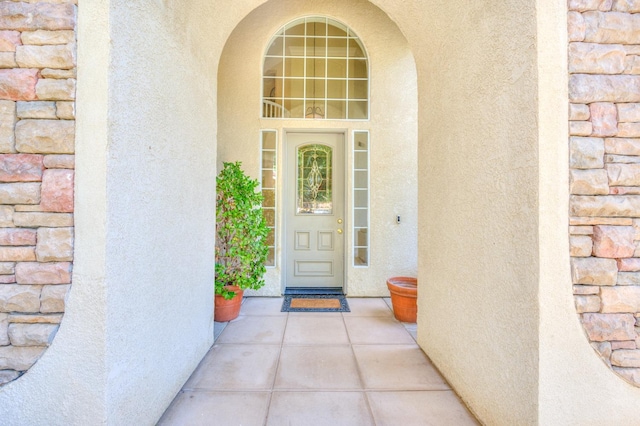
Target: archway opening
[(376, 117)]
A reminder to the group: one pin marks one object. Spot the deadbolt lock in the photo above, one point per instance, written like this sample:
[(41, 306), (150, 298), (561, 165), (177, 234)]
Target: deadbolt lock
[(339, 220)]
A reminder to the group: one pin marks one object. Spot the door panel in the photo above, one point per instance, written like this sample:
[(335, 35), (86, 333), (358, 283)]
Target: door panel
[(314, 210)]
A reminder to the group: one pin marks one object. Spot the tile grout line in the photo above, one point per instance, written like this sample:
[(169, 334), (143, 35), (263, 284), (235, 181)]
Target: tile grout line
[(275, 374), (360, 377)]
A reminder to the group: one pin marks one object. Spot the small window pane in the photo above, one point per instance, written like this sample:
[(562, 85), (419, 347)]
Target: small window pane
[(269, 88), (270, 217), (294, 46), (269, 197), (294, 87), (361, 141), (268, 180), (337, 29), (337, 47), (276, 48), (358, 89), (355, 49), (271, 257), (272, 66), (336, 110), (268, 159), (314, 108), (336, 68), (317, 27), (297, 29), (361, 198), (357, 68), (316, 47), (361, 256), (315, 88), (315, 67), (336, 89), (271, 238), (269, 140), (295, 107), (361, 219), (357, 110), (360, 179), (360, 160), (294, 67)]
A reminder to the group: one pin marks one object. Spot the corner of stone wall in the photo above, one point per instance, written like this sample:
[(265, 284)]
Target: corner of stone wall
[(604, 146), (37, 141)]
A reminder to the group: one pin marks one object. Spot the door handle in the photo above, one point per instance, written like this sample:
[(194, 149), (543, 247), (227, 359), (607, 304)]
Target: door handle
[(340, 221), (339, 231)]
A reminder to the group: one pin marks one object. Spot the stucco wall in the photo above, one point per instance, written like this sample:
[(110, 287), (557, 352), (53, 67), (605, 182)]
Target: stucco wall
[(478, 277), (160, 201), (576, 387), (141, 315), (67, 385), (392, 126)]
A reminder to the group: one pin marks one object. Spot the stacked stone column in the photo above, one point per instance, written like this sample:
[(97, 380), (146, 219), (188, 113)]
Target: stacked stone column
[(37, 127), (604, 110)]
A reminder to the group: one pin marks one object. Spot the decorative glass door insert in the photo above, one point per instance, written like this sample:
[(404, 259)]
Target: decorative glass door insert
[(314, 180)]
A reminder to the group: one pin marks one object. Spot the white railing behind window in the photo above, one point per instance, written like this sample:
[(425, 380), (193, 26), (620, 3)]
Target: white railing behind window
[(271, 109)]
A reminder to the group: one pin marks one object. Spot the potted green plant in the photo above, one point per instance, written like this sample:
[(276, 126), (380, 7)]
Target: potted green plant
[(241, 240)]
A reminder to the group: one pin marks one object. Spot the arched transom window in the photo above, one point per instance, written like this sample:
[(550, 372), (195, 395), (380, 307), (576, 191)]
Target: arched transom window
[(315, 68)]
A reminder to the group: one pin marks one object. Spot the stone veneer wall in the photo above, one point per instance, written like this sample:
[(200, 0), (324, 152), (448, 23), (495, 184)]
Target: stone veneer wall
[(37, 129), (604, 110)]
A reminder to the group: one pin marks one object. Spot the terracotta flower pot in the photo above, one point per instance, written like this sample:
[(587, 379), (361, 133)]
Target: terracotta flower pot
[(227, 310), (404, 298)]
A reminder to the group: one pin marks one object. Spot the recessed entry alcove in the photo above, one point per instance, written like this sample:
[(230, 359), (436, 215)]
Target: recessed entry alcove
[(326, 92)]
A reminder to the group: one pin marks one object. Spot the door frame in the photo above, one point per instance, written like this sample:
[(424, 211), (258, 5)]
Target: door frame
[(285, 190)]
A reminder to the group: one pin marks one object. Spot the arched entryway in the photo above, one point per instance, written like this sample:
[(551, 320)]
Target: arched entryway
[(379, 137)]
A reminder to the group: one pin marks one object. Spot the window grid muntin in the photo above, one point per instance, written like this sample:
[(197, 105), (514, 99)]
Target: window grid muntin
[(361, 234), (307, 101), (269, 148)]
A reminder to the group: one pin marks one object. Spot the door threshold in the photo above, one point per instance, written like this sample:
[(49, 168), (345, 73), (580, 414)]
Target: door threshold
[(313, 290)]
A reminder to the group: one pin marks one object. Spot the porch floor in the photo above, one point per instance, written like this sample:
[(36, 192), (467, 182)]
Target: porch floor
[(355, 368)]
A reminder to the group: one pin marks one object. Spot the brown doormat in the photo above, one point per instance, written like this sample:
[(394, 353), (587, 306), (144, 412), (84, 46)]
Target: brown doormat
[(315, 303)]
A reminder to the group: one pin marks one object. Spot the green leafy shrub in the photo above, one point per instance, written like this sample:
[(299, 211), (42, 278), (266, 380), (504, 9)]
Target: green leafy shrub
[(241, 232)]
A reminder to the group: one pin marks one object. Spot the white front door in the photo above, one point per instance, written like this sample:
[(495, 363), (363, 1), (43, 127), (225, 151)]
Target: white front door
[(314, 210)]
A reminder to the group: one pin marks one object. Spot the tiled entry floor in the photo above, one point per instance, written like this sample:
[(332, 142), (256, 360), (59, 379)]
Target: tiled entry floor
[(357, 368)]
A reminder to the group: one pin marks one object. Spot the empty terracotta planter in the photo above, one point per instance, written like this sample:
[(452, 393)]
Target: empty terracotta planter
[(404, 298)]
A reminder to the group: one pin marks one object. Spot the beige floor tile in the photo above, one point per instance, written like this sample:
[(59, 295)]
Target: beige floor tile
[(315, 330), (421, 408), (376, 330), (401, 367), (236, 367), (264, 306), (368, 306), (254, 329), (319, 409), (317, 368), (217, 409)]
